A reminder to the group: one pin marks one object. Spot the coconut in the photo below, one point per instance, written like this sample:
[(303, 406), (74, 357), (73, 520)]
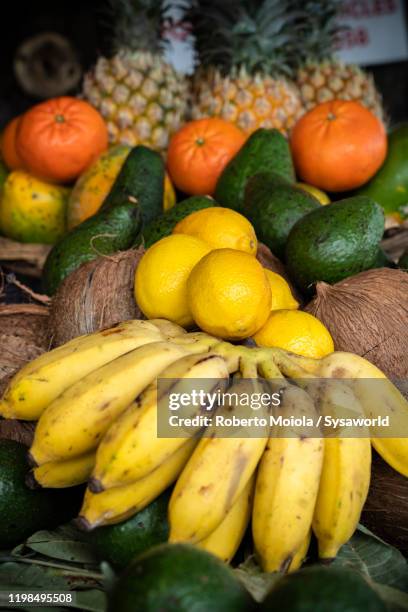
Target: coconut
[(385, 511), (23, 337), (367, 314), (97, 295)]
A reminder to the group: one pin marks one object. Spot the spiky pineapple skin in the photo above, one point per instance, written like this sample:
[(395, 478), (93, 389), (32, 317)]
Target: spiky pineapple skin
[(142, 98), (331, 79), (248, 101)]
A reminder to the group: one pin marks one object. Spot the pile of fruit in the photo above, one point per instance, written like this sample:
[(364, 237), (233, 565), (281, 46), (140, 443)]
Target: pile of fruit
[(237, 248)]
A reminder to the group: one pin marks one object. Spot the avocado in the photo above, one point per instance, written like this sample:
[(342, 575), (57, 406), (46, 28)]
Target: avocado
[(320, 589), (110, 230), (389, 186), (136, 195), (163, 225), (335, 241), (273, 206), (120, 544), (22, 510), (264, 151), (403, 260), (141, 178), (179, 578)]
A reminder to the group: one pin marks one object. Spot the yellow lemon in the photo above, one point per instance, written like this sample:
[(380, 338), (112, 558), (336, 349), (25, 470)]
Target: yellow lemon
[(32, 210), (161, 277), (229, 294), (296, 331), (282, 297), (221, 228), (321, 196)]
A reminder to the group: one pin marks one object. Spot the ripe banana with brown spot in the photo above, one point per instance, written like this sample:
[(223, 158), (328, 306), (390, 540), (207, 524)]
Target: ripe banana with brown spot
[(345, 475), (41, 381), (62, 474), (287, 485), (224, 541), (378, 397), (131, 447), (76, 421), (214, 477), (117, 504)]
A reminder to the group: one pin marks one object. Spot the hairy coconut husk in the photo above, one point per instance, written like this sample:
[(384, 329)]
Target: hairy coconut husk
[(97, 295), (271, 262), (23, 337), (385, 511), (367, 314)]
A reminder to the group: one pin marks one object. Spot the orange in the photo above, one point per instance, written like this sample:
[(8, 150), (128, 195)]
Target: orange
[(199, 152)]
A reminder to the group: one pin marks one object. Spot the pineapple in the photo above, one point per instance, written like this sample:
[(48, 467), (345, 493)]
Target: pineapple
[(244, 54), (320, 77), (142, 97)]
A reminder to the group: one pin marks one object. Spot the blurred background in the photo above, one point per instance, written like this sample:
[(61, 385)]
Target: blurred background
[(46, 47)]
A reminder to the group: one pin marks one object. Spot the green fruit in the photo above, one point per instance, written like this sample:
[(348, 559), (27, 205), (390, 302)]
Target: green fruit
[(403, 260), (142, 179), (136, 193), (264, 151), (389, 187), (163, 225), (335, 241), (320, 589), (120, 544), (179, 578), (22, 510), (274, 206), (110, 230)]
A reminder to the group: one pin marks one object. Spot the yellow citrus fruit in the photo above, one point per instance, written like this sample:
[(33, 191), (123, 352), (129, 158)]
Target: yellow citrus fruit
[(282, 297), (296, 331), (161, 277), (221, 228), (229, 294), (320, 195)]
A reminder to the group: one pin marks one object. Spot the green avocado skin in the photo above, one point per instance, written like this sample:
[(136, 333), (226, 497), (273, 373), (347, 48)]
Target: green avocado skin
[(164, 224), (120, 544), (389, 186), (334, 242), (179, 578), (142, 178), (113, 229), (22, 510), (322, 589), (136, 197), (274, 206), (265, 150)]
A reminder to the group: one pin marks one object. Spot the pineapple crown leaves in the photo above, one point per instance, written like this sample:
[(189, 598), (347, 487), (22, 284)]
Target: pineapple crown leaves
[(318, 29), (256, 35), (138, 25)]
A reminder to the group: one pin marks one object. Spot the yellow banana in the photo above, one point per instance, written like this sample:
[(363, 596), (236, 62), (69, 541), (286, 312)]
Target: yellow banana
[(41, 381), (214, 478), (300, 554), (225, 540), (131, 448), (75, 422), (379, 398), (345, 475), (62, 474), (168, 328), (117, 504), (287, 484)]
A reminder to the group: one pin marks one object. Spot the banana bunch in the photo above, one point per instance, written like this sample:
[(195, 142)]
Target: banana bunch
[(96, 400)]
